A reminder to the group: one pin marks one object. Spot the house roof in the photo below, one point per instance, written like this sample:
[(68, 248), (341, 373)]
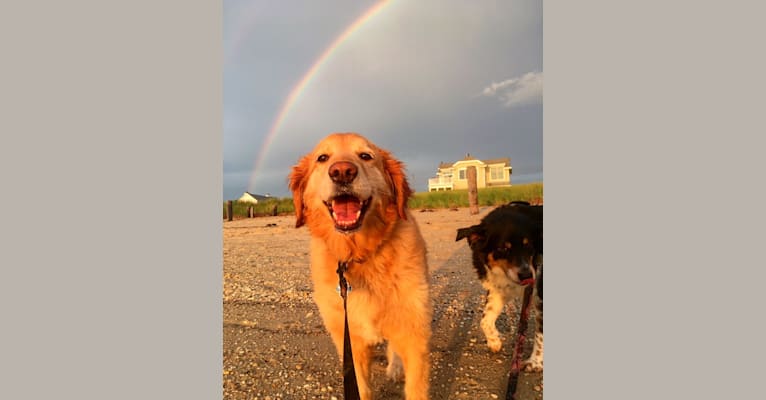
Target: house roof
[(505, 161), (257, 196)]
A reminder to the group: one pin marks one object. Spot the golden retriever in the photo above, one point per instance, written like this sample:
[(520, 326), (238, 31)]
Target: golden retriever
[(353, 196)]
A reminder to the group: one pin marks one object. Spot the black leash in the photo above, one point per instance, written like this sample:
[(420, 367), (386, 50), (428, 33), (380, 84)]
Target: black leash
[(513, 377), (350, 388)]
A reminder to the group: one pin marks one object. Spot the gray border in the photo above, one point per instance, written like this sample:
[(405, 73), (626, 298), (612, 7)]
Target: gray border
[(111, 167), (652, 209), (111, 207)]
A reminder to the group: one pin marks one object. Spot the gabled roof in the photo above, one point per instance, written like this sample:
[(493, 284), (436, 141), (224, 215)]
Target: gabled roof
[(257, 196), (505, 161)]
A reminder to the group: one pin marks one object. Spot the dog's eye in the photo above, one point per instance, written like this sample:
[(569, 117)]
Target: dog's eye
[(323, 158), (365, 156)]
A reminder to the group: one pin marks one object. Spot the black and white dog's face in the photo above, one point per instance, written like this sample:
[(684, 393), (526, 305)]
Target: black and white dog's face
[(511, 252), (509, 238)]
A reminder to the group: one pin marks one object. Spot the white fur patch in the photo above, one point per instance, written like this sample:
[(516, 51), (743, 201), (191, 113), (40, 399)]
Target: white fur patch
[(535, 360), (501, 290)]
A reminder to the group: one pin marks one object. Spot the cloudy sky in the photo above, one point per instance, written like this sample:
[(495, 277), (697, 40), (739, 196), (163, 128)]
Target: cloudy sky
[(429, 80)]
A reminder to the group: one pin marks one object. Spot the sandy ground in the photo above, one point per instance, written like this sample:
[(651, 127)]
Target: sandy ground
[(274, 343)]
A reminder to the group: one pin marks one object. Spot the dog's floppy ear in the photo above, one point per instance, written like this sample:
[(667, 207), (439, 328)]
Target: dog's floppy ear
[(474, 234), (463, 232), (298, 178), (401, 188)]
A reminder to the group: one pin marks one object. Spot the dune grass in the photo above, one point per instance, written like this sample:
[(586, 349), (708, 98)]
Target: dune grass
[(240, 208), (531, 192)]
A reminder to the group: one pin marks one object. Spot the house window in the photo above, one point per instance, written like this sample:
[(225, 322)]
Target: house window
[(461, 174), (496, 173)]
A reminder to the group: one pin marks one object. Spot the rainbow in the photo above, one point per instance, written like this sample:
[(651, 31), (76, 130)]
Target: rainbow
[(300, 87)]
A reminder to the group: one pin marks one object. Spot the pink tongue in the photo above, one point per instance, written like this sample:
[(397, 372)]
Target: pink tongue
[(345, 209)]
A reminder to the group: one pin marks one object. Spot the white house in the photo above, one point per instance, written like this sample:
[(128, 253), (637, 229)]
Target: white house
[(489, 173), (253, 198)]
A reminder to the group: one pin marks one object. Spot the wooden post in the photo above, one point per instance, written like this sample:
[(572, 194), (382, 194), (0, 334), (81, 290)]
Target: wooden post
[(230, 210), (250, 213), (473, 192)]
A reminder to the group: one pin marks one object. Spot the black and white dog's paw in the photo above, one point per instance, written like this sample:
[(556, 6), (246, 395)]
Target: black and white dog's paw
[(535, 361)]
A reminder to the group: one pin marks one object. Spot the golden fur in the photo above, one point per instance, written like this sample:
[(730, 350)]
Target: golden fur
[(387, 269)]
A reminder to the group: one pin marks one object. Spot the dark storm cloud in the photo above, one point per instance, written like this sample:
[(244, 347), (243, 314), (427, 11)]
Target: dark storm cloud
[(430, 81)]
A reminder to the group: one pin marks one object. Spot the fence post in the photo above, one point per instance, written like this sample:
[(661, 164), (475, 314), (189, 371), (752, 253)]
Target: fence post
[(473, 192), (230, 210), (250, 213)]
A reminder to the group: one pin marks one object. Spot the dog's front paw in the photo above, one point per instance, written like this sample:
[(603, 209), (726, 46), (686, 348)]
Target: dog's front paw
[(494, 344), (533, 364), (535, 361)]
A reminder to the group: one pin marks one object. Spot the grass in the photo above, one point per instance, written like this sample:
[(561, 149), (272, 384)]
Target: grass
[(240, 208), (531, 192)]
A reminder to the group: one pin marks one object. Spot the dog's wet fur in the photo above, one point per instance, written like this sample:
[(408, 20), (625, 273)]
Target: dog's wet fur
[(507, 250)]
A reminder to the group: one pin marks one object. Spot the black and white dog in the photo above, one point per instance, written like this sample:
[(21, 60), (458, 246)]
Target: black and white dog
[(507, 250)]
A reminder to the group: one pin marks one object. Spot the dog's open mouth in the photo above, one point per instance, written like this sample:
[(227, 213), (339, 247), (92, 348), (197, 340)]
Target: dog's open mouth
[(347, 211)]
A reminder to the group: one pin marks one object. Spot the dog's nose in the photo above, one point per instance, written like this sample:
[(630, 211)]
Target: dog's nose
[(343, 172), (525, 274)]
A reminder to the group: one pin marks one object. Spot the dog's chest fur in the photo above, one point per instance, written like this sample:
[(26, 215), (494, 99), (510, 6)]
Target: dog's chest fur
[(496, 280), (389, 278)]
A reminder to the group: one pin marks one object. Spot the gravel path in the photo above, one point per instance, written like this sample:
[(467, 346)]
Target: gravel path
[(274, 343)]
